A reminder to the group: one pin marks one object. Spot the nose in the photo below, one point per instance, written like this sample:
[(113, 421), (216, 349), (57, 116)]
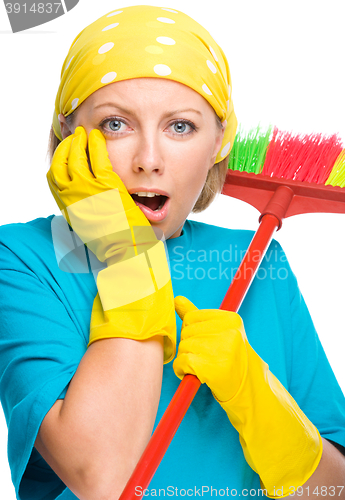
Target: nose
[(148, 157)]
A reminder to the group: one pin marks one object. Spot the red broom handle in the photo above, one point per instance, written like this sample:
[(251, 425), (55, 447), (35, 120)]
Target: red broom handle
[(173, 415)]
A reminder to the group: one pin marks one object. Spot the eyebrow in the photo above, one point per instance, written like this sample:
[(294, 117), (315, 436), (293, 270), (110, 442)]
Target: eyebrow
[(124, 110)]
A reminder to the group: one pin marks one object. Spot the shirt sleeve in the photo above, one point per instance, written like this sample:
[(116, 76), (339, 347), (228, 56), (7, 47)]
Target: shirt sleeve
[(312, 381), (40, 349)]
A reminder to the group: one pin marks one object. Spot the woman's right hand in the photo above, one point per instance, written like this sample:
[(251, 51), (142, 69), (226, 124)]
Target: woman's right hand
[(94, 200), (135, 298)]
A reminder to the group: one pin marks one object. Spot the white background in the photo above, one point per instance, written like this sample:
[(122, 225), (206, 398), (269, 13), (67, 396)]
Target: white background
[(287, 64)]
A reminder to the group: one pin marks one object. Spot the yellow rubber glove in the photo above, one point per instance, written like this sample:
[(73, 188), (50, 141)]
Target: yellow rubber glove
[(278, 440), (135, 298)]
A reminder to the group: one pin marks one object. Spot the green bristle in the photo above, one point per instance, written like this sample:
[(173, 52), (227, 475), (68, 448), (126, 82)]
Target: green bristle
[(249, 150)]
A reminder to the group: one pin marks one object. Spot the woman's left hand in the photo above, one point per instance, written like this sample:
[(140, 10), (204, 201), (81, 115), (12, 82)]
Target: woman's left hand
[(278, 440), (213, 347)]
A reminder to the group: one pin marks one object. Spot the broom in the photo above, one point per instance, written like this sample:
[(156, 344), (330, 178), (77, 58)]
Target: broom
[(280, 174)]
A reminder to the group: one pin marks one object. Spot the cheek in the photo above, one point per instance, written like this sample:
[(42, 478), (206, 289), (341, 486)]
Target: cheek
[(191, 181), (199, 153), (117, 157), (195, 166), (188, 157)]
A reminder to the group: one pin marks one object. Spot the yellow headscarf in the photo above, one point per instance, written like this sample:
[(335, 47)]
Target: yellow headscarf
[(146, 41)]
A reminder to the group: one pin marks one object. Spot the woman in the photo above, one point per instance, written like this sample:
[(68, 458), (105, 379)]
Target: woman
[(144, 107)]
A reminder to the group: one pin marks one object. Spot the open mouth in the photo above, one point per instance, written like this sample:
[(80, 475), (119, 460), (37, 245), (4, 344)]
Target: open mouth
[(154, 206), (154, 203)]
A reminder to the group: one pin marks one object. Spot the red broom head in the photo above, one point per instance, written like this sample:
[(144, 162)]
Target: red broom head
[(305, 158), (312, 167)]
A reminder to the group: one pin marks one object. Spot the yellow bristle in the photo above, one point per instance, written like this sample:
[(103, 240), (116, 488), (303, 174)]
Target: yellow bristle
[(337, 176)]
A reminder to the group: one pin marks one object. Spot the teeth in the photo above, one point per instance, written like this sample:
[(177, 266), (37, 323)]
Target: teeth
[(147, 194)]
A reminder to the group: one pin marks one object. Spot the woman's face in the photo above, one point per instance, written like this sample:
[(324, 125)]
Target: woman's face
[(162, 137)]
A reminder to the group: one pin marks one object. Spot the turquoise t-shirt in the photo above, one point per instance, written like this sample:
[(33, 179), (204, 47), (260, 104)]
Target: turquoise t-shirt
[(45, 310)]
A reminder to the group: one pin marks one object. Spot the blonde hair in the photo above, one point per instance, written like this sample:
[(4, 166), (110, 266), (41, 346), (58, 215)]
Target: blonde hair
[(214, 181)]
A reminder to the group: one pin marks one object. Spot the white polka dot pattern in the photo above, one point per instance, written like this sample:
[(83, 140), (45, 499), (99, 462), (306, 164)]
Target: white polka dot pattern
[(106, 47), (147, 41), (111, 26), (206, 89), (114, 13), (213, 53), (165, 40), (69, 62), (165, 20), (109, 77), (162, 70), (211, 66), (74, 103), (225, 149)]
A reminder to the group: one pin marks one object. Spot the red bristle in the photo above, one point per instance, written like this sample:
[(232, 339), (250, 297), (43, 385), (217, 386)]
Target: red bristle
[(306, 158)]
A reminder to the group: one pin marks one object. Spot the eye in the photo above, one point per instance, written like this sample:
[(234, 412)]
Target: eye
[(180, 127), (183, 127), (115, 125)]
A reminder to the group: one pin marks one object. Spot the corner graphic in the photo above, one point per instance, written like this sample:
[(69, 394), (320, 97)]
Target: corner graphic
[(25, 14)]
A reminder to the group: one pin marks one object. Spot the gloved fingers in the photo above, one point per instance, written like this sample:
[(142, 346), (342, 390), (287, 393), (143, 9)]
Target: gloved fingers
[(78, 165), (199, 343), (217, 358), (212, 343), (57, 175), (183, 306), (190, 314), (103, 169), (184, 365), (229, 319), (99, 158), (200, 331)]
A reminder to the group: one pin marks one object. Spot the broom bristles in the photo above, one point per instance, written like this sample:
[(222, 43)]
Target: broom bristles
[(249, 151), (337, 177), (300, 157), (305, 158)]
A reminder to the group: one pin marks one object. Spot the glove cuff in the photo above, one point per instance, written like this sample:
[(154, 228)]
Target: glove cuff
[(139, 320), (278, 440)]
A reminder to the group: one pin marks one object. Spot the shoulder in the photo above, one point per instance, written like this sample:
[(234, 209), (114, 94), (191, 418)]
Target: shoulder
[(23, 243), (19, 231)]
